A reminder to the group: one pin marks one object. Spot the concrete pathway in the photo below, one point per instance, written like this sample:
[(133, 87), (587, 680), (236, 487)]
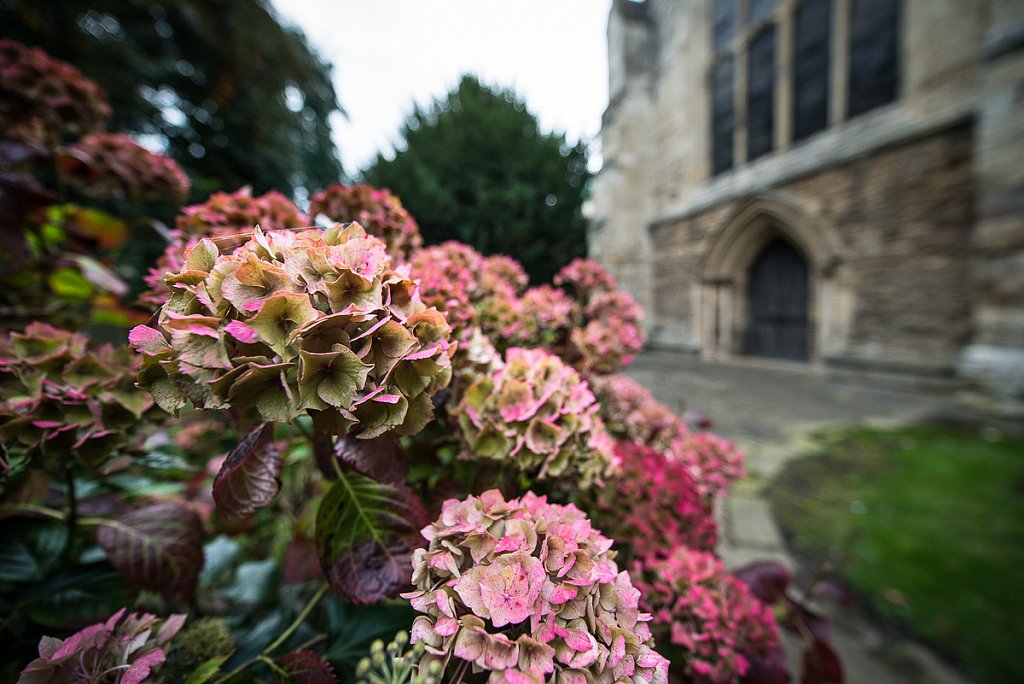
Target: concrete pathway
[(770, 409)]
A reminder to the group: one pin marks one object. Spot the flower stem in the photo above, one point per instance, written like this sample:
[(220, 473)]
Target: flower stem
[(72, 517), (264, 655), (320, 593)]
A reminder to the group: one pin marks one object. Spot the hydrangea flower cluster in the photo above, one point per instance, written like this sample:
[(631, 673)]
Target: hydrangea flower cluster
[(311, 321), (541, 317), (124, 649), (44, 100), (59, 397), (528, 591), (664, 505), (711, 614), (538, 413), (113, 166), (239, 211), (610, 334), (376, 210), (718, 462), (228, 220), (584, 278), (472, 289), (608, 331), (632, 413), (500, 273)]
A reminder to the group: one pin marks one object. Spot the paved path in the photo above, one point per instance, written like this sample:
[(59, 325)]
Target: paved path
[(769, 410)]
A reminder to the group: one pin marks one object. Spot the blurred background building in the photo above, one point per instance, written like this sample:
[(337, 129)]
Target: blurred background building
[(839, 182)]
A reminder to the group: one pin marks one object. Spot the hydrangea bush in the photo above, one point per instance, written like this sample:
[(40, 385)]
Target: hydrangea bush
[(333, 390), (112, 166), (62, 397), (528, 591), (46, 101), (713, 616), (633, 414), (664, 504), (73, 195)]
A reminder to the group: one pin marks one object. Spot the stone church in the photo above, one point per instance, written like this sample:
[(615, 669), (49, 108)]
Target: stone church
[(837, 182)]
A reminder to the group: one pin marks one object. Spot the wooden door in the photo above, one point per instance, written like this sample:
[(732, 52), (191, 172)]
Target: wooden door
[(778, 295)]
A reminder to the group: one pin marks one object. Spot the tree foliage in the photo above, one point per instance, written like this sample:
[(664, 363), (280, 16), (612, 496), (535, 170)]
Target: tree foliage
[(476, 167), (238, 98)]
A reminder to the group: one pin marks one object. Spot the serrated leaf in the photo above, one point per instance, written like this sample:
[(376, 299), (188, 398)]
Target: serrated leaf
[(158, 547), (205, 672), (382, 458), (365, 531), (251, 475)]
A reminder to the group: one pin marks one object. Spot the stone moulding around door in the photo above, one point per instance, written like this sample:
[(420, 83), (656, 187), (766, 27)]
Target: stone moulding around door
[(724, 270)]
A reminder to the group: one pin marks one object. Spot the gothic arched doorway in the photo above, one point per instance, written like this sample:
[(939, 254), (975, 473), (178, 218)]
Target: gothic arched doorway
[(778, 303)]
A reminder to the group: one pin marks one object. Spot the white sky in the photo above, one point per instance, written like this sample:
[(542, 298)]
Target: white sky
[(389, 53)]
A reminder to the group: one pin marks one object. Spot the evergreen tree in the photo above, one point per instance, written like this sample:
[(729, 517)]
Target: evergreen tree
[(237, 97), (475, 167)]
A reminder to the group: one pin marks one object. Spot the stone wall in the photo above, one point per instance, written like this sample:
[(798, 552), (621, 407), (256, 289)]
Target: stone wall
[(923, 198), (903, 219)]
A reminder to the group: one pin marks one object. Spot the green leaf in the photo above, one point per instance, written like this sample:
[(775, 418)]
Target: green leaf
[(69, 283), (351, 629), (365, 532), (158, 547), (256, 582), (219, 555), (205, 672), (29, 549), (76, 594)]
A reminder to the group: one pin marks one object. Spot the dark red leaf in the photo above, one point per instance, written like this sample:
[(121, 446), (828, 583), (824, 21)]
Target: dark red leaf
[(369, 572), (365, 535), (821, 665), (251, 475), (381, 458), (770, 669), (158, 547), (306, 667), (300, 561), (767, 579)]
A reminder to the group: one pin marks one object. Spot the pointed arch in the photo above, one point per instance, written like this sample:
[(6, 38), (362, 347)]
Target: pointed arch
[(751, 227), (725, 272)]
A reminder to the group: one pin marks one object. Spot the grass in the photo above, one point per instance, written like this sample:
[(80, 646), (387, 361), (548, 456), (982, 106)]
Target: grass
[(926, 525)]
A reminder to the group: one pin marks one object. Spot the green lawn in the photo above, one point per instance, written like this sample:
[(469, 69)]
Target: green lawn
[(927, 525)]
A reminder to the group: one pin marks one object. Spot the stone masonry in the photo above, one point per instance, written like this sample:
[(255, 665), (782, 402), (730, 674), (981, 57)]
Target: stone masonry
[(910, 216)]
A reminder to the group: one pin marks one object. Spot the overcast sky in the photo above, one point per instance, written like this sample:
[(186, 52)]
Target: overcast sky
[(389, 53)]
